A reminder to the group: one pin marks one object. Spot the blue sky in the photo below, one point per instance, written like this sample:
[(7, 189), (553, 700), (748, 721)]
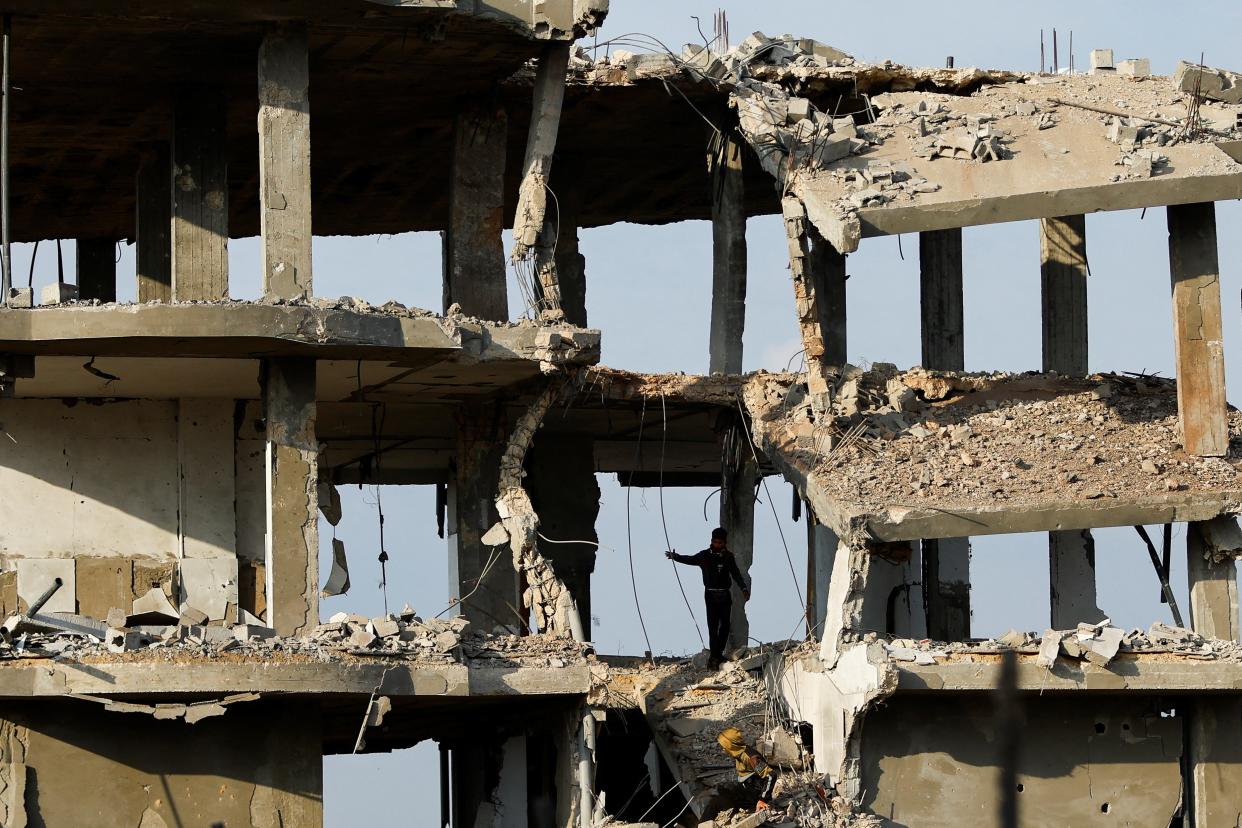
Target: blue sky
[(649, 291)]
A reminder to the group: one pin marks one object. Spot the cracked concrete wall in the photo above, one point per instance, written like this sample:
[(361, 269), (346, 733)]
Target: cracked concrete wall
[(930, 761), (259, 764)]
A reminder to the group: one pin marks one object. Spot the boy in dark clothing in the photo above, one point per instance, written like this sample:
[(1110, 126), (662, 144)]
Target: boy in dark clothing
[(719, 568)]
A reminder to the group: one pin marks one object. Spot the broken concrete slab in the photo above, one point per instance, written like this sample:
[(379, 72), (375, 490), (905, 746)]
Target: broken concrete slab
[(1217, 84), (153, 607), (210, 585)]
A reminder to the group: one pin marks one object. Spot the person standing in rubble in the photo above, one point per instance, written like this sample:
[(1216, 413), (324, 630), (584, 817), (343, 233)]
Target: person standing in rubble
[(719, 569)]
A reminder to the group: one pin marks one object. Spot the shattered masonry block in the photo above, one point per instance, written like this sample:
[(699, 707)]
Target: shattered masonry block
[(58, 293), (799, 109), (1135, 68), (1101, 58), (649, 66), (21, 297), (1217, 84)]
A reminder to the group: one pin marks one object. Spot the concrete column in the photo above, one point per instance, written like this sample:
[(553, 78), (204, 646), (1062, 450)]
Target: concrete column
[(292, 541), (96, 266), (737, 515), (946, 561), (200, 195), (827, 275), (1071, 579), (489, 594), (821, 549), (1215, 756), (1063, 288), (1215, 743), (728, 256), (1197, 329), (570, 263), (284, 163), (940, 294), (892, 603), (565, 495), (1213, 589), (474, 259), (153, 224)]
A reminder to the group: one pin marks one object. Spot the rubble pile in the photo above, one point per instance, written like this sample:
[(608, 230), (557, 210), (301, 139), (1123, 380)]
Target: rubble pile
[(1098, 644), (800, 800), (973, 440), (403, 635)]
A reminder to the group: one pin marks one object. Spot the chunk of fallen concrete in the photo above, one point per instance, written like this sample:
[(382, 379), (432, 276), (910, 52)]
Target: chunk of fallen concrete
[(249, 632), (1102, 649), (338, 579), (1049, 647), (496, 536), (153, 608), (383, 627)]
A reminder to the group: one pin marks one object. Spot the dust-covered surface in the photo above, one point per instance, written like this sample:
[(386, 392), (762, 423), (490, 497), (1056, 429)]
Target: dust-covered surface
[(899, 441), (347, 638)]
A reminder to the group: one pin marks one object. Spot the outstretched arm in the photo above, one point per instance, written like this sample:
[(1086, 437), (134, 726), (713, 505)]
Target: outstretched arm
[(692, 560)]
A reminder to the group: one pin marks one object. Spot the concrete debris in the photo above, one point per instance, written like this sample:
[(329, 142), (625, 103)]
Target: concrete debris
[(1216, 84), (1222, 539), (338, 579), (153, 605), (58, 293)]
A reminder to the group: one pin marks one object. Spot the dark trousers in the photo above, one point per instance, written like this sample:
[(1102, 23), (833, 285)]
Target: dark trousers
[(719, 609)]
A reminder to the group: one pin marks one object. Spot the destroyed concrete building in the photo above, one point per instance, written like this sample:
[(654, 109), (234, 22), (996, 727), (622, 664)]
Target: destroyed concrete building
[(165, 462)]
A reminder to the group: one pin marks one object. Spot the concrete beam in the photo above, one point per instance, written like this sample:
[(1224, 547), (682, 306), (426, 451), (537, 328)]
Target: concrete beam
[(1128, 673), (1197, 329), (488, 594), (284, 163), (96, 267), (292, 540), (728, 319), (474, 262), (1213, 588), (737, 515), (153, 224), (200, 196)]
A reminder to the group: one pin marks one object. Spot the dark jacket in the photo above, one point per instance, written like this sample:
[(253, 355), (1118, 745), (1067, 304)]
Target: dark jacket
[(718, 568)]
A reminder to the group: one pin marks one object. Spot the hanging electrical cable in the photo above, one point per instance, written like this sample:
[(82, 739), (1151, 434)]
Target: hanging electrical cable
[(629, 536), (668, 544)]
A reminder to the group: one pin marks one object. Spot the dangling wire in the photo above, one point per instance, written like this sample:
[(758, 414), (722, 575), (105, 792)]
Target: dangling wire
[(668, 544), (377, 428), (629, 536), (33, 256)]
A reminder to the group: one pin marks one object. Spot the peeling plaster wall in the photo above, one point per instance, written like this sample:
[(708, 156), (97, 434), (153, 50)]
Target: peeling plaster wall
[(931, 762), (259, 765)]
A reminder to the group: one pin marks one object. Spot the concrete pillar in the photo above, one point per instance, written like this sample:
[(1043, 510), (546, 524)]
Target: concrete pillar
[(570, 263), (565, 495), (1071, 579), (728, 256), (489, 594), (892, 603), (200, 195), (153, 225), (96, 267), (940, 295), (1197, 329), (292, 539), (946, 561), (1213, 589), (1215, 758), (827, 275), (821, 547), (284, 163), (737, 515), (1063, 288), (260, 764), (474, 258), (1215, 732)]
